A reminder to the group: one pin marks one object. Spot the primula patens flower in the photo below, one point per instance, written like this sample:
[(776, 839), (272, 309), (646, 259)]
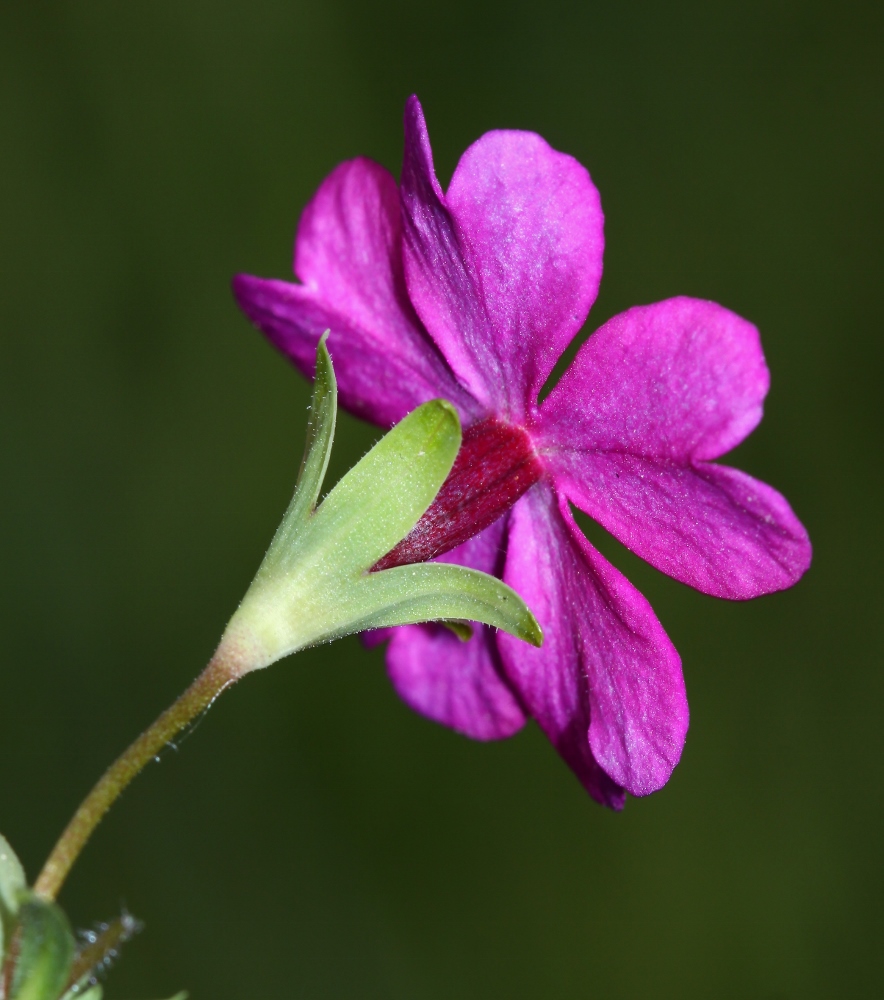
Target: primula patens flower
[(472, 295)]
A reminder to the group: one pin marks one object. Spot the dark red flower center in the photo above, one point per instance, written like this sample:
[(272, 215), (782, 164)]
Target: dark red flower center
[(496, 464)]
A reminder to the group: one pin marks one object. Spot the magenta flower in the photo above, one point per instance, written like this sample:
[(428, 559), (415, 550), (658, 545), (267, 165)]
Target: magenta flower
[(472, 295)]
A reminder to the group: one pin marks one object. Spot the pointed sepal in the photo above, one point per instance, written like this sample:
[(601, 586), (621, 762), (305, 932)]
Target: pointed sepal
[(317, 451), (426, 592), (315, 583)]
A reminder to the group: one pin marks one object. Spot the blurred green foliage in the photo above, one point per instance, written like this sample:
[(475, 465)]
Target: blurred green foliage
[(315, 838)]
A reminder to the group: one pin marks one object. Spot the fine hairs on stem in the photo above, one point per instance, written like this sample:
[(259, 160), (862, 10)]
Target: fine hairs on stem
[(216, 678)]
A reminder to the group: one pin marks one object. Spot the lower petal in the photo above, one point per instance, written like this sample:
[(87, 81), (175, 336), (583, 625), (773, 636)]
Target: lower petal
[(457, 683), (606, 686), (454, 682)]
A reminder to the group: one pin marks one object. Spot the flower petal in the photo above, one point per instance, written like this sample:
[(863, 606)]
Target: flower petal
[(682, 380), (454, 682), (375, 636), (348, 254), (502, 270), (606, 686), (650, 396), (457, 683), (710, 526)]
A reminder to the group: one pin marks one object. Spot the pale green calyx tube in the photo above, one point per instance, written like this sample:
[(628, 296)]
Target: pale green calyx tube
[(314, 584)]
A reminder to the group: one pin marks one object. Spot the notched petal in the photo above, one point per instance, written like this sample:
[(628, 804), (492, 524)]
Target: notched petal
[(681, 381), (607, 686), (709, 526), (504, 267), (348, 256)]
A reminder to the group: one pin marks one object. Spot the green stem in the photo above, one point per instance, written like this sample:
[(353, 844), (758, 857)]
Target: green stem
[(220, 673)]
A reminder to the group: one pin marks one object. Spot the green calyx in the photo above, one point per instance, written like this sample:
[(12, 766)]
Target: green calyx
[(314, 584)]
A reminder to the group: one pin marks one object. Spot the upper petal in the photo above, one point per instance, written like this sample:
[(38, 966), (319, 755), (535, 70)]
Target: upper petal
[(504, 268), (457, 683), (650, 396), (606, 686), (680, 380), (348, 256)]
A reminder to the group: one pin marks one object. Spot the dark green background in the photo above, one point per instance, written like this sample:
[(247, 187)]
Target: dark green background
[(315, 838)]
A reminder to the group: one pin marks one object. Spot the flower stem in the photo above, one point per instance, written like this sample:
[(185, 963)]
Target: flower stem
[(220, 673)]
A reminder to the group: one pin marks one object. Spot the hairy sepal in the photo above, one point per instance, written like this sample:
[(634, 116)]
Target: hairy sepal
[(314, 464), (314, 584)]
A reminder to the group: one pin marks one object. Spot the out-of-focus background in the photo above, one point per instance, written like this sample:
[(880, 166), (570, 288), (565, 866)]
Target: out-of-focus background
[(314, 838)]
